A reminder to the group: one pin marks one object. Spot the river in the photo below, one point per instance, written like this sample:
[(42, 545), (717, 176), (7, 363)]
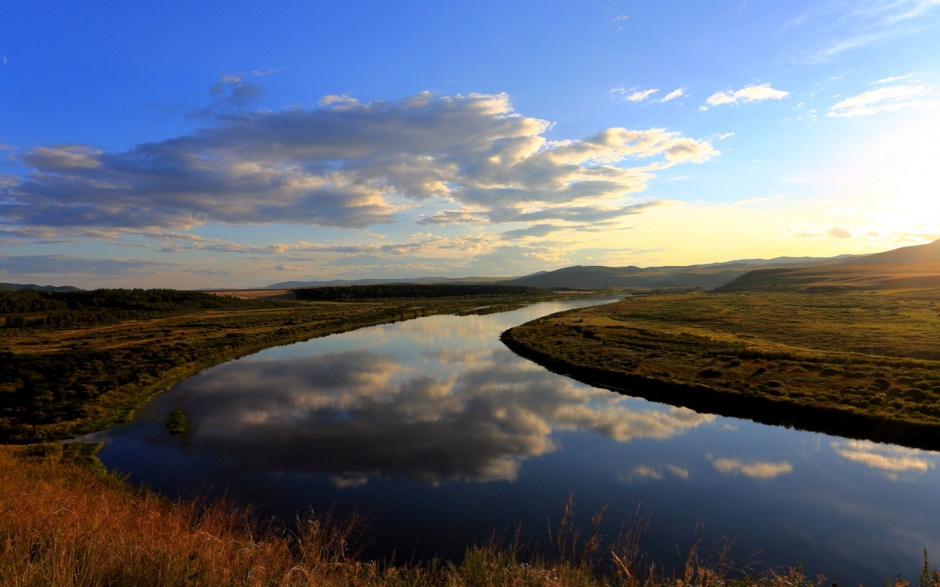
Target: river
[(441, 434)]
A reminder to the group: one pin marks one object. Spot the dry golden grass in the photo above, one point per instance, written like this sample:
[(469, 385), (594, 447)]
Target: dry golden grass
[(836, 277), (863, 364), (64, 525)]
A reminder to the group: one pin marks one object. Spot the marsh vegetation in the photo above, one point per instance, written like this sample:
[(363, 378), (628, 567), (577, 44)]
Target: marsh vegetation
[(856, 363)]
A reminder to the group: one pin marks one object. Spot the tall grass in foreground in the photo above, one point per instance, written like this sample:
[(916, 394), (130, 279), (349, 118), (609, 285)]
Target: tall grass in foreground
[(66, 525)]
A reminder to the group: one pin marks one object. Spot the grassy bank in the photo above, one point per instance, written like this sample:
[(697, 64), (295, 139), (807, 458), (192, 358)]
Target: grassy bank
[(73, 363), (63, 524), (858, 364)]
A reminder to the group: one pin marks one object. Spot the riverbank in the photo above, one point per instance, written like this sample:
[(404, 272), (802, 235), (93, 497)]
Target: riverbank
[(65, 524), (857, 364), (71, 367)]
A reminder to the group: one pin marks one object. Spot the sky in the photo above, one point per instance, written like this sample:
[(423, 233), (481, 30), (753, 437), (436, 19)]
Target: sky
[(239, 144)]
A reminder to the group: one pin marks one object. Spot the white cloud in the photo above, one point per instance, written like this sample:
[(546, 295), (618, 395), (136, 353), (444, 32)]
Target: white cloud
[(346, 164), (883, 99), (888, 80), (752, 93), (672, 95), (839, 232), (856, 24), (639, 96)]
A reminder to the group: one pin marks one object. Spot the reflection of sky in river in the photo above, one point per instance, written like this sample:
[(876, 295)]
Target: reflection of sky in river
[(443, 434)]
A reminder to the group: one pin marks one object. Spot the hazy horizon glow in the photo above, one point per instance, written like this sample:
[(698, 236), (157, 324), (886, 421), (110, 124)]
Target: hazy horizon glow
[(215, 145)]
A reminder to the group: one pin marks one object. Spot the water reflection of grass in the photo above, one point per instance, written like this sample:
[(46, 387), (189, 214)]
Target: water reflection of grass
[(63, 524), (860, 364)]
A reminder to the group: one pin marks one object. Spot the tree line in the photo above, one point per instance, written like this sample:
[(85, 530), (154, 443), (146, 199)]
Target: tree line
[(342, 293)]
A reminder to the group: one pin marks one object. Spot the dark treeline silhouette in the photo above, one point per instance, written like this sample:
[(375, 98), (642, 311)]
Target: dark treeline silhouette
[(103, 306), (413, 291)]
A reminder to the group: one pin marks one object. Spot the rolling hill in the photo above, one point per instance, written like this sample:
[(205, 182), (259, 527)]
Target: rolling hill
[(907, 267), (708, 276), (33, 286)]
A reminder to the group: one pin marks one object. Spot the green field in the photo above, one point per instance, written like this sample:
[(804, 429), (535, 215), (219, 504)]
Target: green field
[(858, 363), (72, 363)]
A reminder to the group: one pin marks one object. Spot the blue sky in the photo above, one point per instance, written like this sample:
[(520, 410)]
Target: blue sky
[(196, 144)]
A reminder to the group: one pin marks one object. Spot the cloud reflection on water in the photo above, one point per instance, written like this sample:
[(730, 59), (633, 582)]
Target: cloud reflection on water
[(752, 469), (890, 460), (360, 413), (644, 472)]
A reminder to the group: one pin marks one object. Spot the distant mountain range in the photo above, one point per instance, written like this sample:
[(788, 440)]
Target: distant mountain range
[(293, 284), (709, 276), (914, 266), (33, 286)]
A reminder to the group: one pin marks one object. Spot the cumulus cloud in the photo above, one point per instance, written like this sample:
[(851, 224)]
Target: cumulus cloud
[(345, 164), (534, 231), (883, 99), (839, 232), (752, 93), (452, 217)]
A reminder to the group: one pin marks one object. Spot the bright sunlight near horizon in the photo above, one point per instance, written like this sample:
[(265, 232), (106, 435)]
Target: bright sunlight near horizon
[(203, 144)]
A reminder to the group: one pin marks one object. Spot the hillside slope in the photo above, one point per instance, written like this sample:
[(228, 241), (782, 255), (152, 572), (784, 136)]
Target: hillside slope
[(33, 286), (907, 267), (708, 276)]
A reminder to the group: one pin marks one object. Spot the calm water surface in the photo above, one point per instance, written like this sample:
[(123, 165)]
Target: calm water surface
[(442, 434)]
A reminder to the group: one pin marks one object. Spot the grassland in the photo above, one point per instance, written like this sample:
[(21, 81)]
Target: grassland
[(63, 524), (72, 363), (863, 364), (832, 278)]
